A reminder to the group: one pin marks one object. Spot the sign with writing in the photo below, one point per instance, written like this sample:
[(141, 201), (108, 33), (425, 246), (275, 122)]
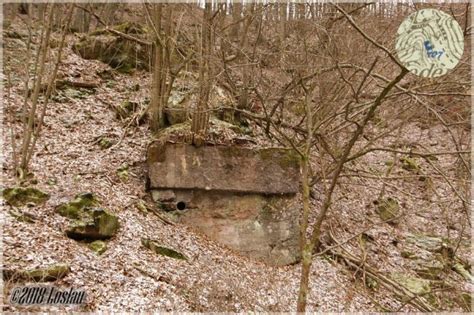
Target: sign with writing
[(429, 43)]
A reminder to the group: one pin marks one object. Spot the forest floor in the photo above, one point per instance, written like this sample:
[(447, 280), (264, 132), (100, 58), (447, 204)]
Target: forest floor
[(129, 277)]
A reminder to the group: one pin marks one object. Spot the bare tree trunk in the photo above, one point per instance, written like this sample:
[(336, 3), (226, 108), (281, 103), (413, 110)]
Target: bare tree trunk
[(304, 280), (236, 16), (283, 21), (156, 106), (166, 77), (43, 53), (81, 21), (301, 7), (306, 251), (314, 242), (243, 97), (51, 82), (41, 10), (201, 115)]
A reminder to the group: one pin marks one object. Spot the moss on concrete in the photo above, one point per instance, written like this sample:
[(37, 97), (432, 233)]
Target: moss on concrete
[(284, 157)]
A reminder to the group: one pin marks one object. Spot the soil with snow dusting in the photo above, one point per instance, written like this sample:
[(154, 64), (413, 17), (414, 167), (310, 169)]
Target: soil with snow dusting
[(128, 276)]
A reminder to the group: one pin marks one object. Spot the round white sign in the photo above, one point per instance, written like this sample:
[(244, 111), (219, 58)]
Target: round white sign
[(429, 43)]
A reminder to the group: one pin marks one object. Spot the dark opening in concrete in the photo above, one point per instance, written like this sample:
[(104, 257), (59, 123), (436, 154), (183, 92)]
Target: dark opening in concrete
[(181, 205)]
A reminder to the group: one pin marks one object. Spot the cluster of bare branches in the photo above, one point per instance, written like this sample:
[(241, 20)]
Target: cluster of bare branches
[(45, 70)]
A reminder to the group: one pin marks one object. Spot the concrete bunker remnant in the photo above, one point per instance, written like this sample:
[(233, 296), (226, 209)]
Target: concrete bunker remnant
[(244, 198)]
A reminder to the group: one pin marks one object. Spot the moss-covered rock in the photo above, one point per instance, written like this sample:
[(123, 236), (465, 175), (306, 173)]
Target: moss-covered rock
[(430, 243), (105, 143), (49, 273), (77, 93), (99, 224), (98, 246), (429, 256), (162, 250), (413, 284), (122, 172), (75, 208), (388, 209), (90, 223), (20, 196), (122, 54), (409, 164), (23, 216), (459, 268), (388, 163), (466, 301), (429, 268)]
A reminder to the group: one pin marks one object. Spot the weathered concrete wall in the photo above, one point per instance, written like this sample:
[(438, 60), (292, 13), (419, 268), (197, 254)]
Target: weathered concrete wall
[(239, 197), (259, 226), (266, 171)]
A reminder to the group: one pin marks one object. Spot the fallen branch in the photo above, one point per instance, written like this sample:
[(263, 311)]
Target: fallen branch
[(50, 273), (149, 274), (144, 207), (78, 84), (113, 31), (399, 290)]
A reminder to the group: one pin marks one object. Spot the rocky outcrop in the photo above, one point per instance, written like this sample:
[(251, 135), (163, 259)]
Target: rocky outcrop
[(415, 285), (427, 256), (98, 225), (184, 97), (120, 53), (90, 223)]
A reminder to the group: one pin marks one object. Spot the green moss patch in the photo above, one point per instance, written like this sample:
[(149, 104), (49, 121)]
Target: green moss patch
[(75, 208), (122, 172), (98, 246), (415, 285), (409, 164), (98, 224), (105, 143), (387, 208), (20, 196), (162, 250)]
